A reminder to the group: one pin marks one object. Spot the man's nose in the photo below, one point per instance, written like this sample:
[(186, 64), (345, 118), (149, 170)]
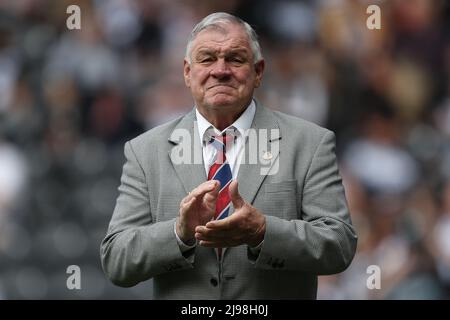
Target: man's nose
[(221, 69)]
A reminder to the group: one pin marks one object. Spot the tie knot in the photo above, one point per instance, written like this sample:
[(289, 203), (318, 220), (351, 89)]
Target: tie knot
[(223, 138), (222, 141)]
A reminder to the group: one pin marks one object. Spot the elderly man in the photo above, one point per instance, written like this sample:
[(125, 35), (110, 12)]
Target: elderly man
[(222, 228)]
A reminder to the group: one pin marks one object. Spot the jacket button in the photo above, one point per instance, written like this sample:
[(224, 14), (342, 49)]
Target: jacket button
[(214, 282)]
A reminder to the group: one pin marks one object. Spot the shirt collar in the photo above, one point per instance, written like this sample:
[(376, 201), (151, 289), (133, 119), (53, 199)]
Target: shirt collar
[(242, 124)]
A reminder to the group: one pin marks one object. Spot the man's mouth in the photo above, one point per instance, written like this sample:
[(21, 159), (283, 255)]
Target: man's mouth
[(221, 85)]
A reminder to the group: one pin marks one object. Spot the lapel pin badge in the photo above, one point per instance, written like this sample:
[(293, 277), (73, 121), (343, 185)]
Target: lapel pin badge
[(267, 155)]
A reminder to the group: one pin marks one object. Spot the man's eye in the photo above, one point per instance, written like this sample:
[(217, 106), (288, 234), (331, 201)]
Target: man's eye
[(237, 60), (204, 60)]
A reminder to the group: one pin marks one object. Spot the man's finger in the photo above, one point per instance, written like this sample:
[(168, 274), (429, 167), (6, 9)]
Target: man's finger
[(217, 235), (236, 198), (208, 244), (202, 231), (188, 204), (218, 244), (212, 195), (212, 237), (203, 188), (224, 224)]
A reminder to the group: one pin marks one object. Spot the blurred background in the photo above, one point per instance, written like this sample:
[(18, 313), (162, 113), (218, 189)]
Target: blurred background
[(69, 99)]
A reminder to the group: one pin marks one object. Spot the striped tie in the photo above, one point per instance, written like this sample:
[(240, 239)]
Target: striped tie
[(221, 170)]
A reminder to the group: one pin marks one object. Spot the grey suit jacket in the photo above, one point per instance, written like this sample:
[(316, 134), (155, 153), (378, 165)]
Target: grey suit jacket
[(308, 227)]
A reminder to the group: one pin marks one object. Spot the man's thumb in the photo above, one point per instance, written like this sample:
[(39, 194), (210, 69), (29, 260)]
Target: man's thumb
[(235, 196)]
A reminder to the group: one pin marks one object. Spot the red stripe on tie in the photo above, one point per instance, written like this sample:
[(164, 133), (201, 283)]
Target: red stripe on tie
[(213, 170)]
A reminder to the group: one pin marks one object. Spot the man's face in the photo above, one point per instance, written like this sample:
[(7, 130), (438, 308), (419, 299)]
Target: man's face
[(222, 73)]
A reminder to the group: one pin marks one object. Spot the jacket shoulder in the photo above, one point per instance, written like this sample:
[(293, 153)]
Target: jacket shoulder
[(294, 126), (154, 137)]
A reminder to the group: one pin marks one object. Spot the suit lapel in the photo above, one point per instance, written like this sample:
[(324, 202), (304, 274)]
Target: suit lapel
[(252, 175), (191, 172)]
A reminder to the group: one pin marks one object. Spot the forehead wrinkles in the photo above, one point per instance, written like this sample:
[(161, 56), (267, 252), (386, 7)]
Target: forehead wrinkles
[(218, 47), (221, 39)]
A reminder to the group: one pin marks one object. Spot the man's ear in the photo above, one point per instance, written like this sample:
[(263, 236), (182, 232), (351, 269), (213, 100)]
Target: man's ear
[(259, 69), (187, 73)]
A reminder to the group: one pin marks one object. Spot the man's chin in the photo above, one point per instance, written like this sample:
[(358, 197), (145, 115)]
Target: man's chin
[(222, 102)]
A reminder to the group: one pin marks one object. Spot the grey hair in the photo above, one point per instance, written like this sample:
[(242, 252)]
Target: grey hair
[(217, 18)]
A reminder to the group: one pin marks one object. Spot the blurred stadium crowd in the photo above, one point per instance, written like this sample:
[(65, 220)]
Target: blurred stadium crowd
[(69, 99)]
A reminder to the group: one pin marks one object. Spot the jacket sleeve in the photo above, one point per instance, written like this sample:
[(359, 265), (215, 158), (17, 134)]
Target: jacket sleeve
[(323, 241), (136, 247)]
